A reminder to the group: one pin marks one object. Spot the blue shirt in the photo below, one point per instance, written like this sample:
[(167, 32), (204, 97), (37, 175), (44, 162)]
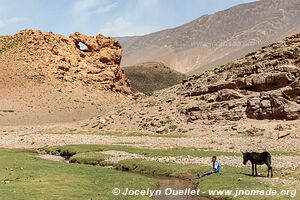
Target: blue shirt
[(217, 166)]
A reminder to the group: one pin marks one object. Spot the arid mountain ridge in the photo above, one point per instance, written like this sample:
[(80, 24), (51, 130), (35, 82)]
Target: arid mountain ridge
[(264, 85), (216, 39)]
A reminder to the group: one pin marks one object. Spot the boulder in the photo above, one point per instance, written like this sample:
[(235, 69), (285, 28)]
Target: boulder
[(163, 129), (228, 94), (269, 106)]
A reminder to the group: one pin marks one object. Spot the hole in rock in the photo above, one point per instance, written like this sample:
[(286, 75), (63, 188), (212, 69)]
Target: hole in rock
[(82, 47)]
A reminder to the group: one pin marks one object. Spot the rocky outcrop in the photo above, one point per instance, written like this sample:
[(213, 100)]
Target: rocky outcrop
[(79, 60), (268, 106), (265, 82)]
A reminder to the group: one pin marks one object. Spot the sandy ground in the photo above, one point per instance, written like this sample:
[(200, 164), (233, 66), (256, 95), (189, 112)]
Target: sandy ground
[(34, 140), (39, 136), (43, 104)]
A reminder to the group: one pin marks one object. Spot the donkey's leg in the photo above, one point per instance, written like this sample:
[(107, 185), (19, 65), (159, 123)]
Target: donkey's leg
[(252, 169), (269, 169), (255, 169)]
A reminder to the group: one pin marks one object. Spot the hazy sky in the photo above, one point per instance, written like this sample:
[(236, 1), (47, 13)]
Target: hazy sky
[(109, 17)]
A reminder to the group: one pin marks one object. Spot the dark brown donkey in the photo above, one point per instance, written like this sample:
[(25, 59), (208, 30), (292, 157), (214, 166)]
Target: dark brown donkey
[(258, 159)]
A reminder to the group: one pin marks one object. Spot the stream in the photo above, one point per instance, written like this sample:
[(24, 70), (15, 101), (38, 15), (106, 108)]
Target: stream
[(175, 185)]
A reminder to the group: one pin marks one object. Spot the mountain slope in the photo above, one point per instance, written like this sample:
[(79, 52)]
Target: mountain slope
[(151, 76), (217, 38), (264, 85)]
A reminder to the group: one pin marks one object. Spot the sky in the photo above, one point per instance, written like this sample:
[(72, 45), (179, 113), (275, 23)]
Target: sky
[(108, 17)]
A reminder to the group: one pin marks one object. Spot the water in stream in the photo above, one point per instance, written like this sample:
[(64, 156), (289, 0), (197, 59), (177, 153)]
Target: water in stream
[(175, 185)]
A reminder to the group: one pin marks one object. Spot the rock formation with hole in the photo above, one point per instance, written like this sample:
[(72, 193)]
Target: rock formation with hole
[(47, 57), (50, 78)]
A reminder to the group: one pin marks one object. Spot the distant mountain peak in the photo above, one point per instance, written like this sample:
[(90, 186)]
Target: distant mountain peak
[(216, 39)]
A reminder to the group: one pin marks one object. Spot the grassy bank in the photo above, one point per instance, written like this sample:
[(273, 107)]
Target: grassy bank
[(74, 149), (90, 158), (154, 168), (24, 176)]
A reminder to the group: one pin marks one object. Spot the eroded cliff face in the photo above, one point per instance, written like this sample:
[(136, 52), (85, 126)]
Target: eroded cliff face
[(81, 60)]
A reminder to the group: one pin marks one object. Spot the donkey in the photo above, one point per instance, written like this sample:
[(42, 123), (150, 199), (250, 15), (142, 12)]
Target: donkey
[(258, 159)]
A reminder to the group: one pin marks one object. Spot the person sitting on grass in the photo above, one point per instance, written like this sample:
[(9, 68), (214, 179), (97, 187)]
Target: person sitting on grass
[(215, 169)]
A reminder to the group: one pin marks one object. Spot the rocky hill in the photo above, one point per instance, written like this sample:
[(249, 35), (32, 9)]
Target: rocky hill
[(46, 57), (213, 40), (45, 76), (151, 76), (264, 85)]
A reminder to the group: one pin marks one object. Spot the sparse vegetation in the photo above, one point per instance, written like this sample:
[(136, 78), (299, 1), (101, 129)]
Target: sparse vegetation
[(115, 133), (151, 76), (7, 43), (285, 153)]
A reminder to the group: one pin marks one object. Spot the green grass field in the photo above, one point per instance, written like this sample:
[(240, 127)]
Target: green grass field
[(230, 178), (24, 176)]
